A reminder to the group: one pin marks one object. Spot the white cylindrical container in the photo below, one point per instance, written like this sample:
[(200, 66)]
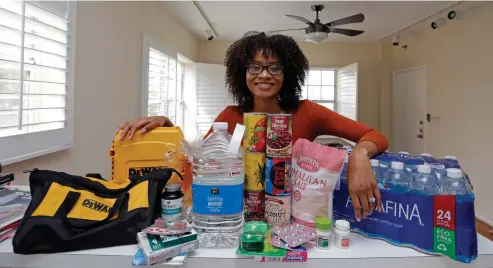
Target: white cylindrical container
[(341, 232)]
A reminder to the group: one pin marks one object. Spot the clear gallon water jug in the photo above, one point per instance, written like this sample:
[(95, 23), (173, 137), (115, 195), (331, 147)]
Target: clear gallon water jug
[(217, 191)]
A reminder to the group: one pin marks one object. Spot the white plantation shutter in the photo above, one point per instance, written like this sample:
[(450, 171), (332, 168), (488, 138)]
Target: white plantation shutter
[(162, 82), (347, 91), (37, 40), (212, 95)]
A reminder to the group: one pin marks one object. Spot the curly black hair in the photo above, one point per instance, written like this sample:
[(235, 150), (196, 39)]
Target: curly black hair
[(241, 53)]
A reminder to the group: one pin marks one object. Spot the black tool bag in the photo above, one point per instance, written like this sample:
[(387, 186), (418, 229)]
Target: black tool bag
[(70, 212)]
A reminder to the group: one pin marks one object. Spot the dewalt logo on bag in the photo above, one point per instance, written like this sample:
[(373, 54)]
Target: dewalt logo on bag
[(95, 205), (142, 171)]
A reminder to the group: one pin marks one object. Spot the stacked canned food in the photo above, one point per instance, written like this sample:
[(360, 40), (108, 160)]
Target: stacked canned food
[(254, 142), (278, 170)]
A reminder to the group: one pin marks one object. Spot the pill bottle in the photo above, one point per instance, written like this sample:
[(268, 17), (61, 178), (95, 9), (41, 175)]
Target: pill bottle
[(323, 232), (172, 203), (341, 231)]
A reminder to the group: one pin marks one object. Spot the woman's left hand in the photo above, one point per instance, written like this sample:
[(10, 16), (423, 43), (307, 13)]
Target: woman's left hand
[(362, 184)]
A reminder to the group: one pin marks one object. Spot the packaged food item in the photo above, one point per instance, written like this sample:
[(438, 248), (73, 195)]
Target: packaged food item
[(172, 203), (314, 175), (254, 205), (254, 171), (255, 132), (298, 254), (253, 231), (279, 134), (278, 210), (294, 235), (277, 175)]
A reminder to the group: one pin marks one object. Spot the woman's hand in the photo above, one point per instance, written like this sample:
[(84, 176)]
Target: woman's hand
[(362, 184), (145, 125)]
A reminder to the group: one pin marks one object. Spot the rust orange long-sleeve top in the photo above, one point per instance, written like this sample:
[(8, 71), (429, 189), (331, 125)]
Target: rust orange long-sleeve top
[(311, 120)]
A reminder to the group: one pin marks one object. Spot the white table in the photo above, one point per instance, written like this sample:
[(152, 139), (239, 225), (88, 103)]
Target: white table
[(364, 253)]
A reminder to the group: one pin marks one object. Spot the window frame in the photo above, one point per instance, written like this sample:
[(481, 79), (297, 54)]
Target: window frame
[(21, 147), (336, 95)]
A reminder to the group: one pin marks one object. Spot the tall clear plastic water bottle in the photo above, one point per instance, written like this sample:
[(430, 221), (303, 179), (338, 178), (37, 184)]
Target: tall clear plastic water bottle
[(396, 178), (217, 191), (425, 181), (375, 165), (454, 183)]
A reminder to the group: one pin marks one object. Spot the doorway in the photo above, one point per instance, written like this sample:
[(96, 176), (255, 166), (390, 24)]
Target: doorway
[(409, 115)]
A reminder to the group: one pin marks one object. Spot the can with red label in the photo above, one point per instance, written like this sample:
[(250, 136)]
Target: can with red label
[(278, 210), (254, 205), (279, 134), (278, 175), (255, 132)]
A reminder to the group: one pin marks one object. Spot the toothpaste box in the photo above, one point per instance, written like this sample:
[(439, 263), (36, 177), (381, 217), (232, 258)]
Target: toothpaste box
[(298, 254)]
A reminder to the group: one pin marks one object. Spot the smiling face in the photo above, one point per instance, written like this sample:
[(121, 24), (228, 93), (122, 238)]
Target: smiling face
[(264, 76)]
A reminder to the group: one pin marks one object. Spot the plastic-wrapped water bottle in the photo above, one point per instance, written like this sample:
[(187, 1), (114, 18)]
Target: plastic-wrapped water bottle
[(404, 153), (425, 181), (375, 165), (396, 178), (217, 191), (426, 155), (344, 168), (454, 183), (451, 157)]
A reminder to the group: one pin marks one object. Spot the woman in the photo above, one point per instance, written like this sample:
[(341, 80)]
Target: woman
[(265, 74)]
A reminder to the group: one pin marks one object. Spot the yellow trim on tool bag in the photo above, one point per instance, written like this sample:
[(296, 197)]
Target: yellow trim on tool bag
[(110, 184), (139, 196), (89, 206)]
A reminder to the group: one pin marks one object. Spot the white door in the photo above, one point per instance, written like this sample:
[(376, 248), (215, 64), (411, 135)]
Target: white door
[(409, 111)]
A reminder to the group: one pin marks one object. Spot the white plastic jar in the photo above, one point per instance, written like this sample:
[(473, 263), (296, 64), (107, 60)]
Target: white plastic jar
[(341, 232)]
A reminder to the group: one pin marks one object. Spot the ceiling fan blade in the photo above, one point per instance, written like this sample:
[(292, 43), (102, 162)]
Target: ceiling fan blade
[(347, 20), (347, 32), (300, 19), (277, 31)]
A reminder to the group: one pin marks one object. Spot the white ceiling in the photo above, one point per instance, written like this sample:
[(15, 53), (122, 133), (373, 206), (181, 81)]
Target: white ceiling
[(232, 19)]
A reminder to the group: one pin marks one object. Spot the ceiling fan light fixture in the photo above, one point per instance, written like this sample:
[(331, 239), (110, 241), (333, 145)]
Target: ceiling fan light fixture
[(316, 37)]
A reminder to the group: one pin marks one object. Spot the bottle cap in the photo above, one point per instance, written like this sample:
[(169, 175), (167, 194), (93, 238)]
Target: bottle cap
[(172, 187), (450, 157), (426, 154), (323, 224), (374, 162), (342, 224), (397, 165), (220, 126), (424, 169), (403, 152), (454, 173)]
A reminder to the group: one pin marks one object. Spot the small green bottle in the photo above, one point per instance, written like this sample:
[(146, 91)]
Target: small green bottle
[(323, 232)]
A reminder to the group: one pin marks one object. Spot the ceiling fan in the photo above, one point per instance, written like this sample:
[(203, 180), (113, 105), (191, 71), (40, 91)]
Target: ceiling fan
[(317, 31)]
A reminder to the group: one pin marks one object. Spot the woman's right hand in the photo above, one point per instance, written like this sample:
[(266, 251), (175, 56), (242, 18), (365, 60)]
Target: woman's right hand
[(145, 125)]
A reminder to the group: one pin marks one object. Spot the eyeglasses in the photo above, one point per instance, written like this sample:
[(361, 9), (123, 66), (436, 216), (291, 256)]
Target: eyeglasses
[(254, 68)]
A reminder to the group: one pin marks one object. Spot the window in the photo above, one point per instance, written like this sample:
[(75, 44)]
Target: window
[(163, 80), (36, 78), (336, 89), (320, 87)]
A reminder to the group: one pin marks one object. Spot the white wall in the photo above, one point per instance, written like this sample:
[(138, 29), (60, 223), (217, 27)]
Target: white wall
[(458, 57), (108, 78)]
